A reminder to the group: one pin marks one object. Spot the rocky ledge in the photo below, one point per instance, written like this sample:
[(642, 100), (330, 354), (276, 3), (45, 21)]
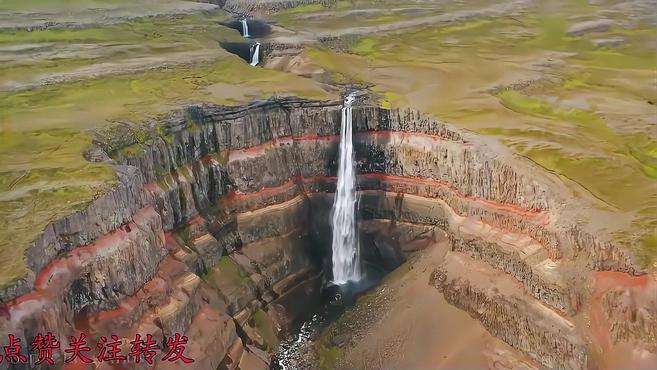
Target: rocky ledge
[(217, 228)]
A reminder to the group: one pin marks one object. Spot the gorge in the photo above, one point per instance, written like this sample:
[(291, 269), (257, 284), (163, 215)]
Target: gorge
[(219, 227), (397, 185)]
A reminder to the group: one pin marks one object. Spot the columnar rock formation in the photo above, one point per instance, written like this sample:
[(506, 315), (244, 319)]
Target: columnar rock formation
[(265, 6), (217, 227)]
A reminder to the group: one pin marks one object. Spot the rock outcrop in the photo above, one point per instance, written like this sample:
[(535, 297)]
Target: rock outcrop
[(218, 228), (265, 6)]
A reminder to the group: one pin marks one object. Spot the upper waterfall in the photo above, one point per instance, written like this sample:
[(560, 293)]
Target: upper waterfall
[(346, 253), (245, 28)]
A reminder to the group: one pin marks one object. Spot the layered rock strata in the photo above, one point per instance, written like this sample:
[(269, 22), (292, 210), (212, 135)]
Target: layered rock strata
[(218, 228)]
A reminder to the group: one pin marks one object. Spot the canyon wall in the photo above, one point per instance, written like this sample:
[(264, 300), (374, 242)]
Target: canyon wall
[(218, 227)]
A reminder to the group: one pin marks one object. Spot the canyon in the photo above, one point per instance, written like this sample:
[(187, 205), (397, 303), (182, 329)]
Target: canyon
[(218, 228), (166, 173)]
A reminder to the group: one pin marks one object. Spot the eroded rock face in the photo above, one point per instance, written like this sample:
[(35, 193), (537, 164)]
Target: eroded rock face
[(218, 228), (522, 322)]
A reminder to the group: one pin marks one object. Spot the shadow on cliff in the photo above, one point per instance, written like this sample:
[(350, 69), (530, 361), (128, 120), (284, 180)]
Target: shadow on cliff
[(257, 28), (241, 49)]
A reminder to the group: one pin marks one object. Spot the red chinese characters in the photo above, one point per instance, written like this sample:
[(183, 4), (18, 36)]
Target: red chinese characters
[(77, 348), (143, 348), (110, 351), (46, 350), (176, 349), (43, 345), (12, 351)]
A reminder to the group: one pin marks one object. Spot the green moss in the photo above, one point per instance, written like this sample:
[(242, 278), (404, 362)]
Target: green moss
[(293, 17), (157, 34), (309, 8), (265, 326), (646, 250), (287, 17), (588, 121), (329, 357), (167, 182), (619, 59), (385, 103), (228, 266), (141, 96), (576, 82), (43, 177), (645, 152), (551, 33), (40, 5), (155, 37), (389, 99), (386, 18), (168, 138), (86, 35), (187, 173), (344, 68), (221, 157), (131, 150), (365, 46), (345, 4), (470, 27), (228, 277), (185, 235)]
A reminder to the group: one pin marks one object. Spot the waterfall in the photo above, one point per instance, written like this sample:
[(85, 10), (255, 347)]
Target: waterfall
[(245, 28), (346, 254), (255, 54)]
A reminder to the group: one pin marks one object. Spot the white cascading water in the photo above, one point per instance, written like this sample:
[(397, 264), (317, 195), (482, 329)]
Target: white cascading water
[(245, 28), (255, 54), (346, 254)]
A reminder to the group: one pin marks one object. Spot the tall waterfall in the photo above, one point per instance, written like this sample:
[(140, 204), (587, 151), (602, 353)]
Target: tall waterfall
[(255, 54), (346, 254), (245, 28)]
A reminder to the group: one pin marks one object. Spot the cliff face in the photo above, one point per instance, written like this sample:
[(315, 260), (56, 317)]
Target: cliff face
[(218, 228), (265, 6)]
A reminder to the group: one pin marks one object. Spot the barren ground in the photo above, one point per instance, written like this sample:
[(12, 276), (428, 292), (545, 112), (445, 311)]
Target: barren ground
[(405, 323)]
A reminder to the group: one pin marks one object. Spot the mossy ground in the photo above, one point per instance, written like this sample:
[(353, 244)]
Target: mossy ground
[(329, 357), (266, 327), (583, 112), (43, 5), (227, 276)]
